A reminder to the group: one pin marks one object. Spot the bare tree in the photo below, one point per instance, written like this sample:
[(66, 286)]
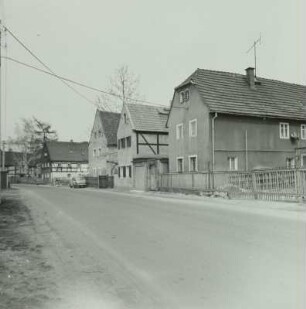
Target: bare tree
[(30, 135), (123, 88)]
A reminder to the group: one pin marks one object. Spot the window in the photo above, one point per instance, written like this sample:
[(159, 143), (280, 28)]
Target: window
[(193, 164), (122, 142), (303, 131), (233, 163), (125, 119), (290, 162), (100, 152), (124, 171), (69, 166), (94, 152), (130, 171), (284, 130), (179, 131), (184, 96), (180, 165), (128, 141), (118, 143), (303, 160), (119, 174), (59, 167), (193, 127)]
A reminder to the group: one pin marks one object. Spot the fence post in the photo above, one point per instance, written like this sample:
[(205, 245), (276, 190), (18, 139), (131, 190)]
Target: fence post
[(254, 186), (298, 184)]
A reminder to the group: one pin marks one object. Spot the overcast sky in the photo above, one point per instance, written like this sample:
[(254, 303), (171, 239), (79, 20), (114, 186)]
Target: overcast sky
[(162, 41)]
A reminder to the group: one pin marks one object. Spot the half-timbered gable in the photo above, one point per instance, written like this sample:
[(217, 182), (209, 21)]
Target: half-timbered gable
[(142, 140)]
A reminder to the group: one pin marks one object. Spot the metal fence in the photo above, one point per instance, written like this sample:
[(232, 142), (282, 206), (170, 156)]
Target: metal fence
[(280, 184)]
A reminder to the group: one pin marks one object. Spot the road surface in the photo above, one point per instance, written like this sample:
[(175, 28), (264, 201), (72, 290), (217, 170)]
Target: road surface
[(115, 250)]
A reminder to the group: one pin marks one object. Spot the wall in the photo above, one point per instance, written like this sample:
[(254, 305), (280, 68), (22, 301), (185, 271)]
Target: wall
[(195, 108), (265, 147), (99, 165), (125, 155)]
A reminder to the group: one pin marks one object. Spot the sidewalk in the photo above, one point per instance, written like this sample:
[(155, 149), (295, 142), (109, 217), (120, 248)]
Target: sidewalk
[(24, 272)]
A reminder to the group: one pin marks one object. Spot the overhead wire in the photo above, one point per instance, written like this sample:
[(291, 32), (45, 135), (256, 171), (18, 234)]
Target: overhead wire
[(46, 66), (66, 80)]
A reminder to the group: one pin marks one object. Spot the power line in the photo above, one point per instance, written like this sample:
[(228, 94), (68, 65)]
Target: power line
[(46, 66), (65, 80), (75, 82)]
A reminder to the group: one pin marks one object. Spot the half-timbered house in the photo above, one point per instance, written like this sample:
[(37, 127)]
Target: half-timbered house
[(142, 146), (62, 160)]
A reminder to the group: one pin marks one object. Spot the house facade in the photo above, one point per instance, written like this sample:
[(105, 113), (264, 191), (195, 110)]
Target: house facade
[(142, 140), (102, 150), (223, 121), (62, 160)]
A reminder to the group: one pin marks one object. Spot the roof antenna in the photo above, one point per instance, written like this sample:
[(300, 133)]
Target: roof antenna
[(258, 41)]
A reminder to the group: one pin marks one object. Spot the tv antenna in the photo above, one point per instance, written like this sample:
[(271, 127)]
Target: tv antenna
[(254, 45)]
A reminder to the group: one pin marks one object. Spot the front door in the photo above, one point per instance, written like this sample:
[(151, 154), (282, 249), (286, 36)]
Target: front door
[(152, 176)]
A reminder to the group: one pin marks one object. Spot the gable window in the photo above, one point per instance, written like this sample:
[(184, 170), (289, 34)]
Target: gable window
[(233, 163), (193, 127), (193, 163), (128, 141), (303, 131), (122, 142), (179, 131), (180, 164), (290, 162), (284, 130), (184, 96)]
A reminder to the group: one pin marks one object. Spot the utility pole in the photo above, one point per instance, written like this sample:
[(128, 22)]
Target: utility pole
[(0, 109)]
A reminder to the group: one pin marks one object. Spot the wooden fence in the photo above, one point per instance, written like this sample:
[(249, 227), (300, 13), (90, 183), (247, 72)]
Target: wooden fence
[(280, 184)]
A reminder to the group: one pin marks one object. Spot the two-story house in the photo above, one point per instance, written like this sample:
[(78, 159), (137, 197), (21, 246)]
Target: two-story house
[(142, 146), (102, 150), (62, 160), (226, 121)]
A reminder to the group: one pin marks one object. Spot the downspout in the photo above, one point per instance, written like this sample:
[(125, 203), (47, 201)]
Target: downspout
[(213, 140)]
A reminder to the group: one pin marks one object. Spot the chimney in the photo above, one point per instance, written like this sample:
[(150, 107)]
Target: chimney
[(250, 74)]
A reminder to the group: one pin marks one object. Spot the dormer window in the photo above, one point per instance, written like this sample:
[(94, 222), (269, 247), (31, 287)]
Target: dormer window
[(184, 96)]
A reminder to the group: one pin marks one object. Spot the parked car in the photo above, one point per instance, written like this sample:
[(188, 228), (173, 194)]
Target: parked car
[(78, 181)]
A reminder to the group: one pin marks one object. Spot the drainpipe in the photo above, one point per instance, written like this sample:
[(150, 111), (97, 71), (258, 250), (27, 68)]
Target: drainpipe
[(213, 140)]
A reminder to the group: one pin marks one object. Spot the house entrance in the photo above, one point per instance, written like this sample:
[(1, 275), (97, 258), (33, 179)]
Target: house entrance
[(152, 176)]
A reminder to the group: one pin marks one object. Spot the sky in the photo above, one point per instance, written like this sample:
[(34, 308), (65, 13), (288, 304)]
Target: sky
[(161, 41)]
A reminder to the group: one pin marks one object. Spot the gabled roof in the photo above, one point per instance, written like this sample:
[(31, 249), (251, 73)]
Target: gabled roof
[(148, 117), (110, 123), (230, 93), (12, 158), (67, 151)]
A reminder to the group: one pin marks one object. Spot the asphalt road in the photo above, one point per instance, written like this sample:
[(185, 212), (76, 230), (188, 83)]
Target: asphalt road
[(114, 250)]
